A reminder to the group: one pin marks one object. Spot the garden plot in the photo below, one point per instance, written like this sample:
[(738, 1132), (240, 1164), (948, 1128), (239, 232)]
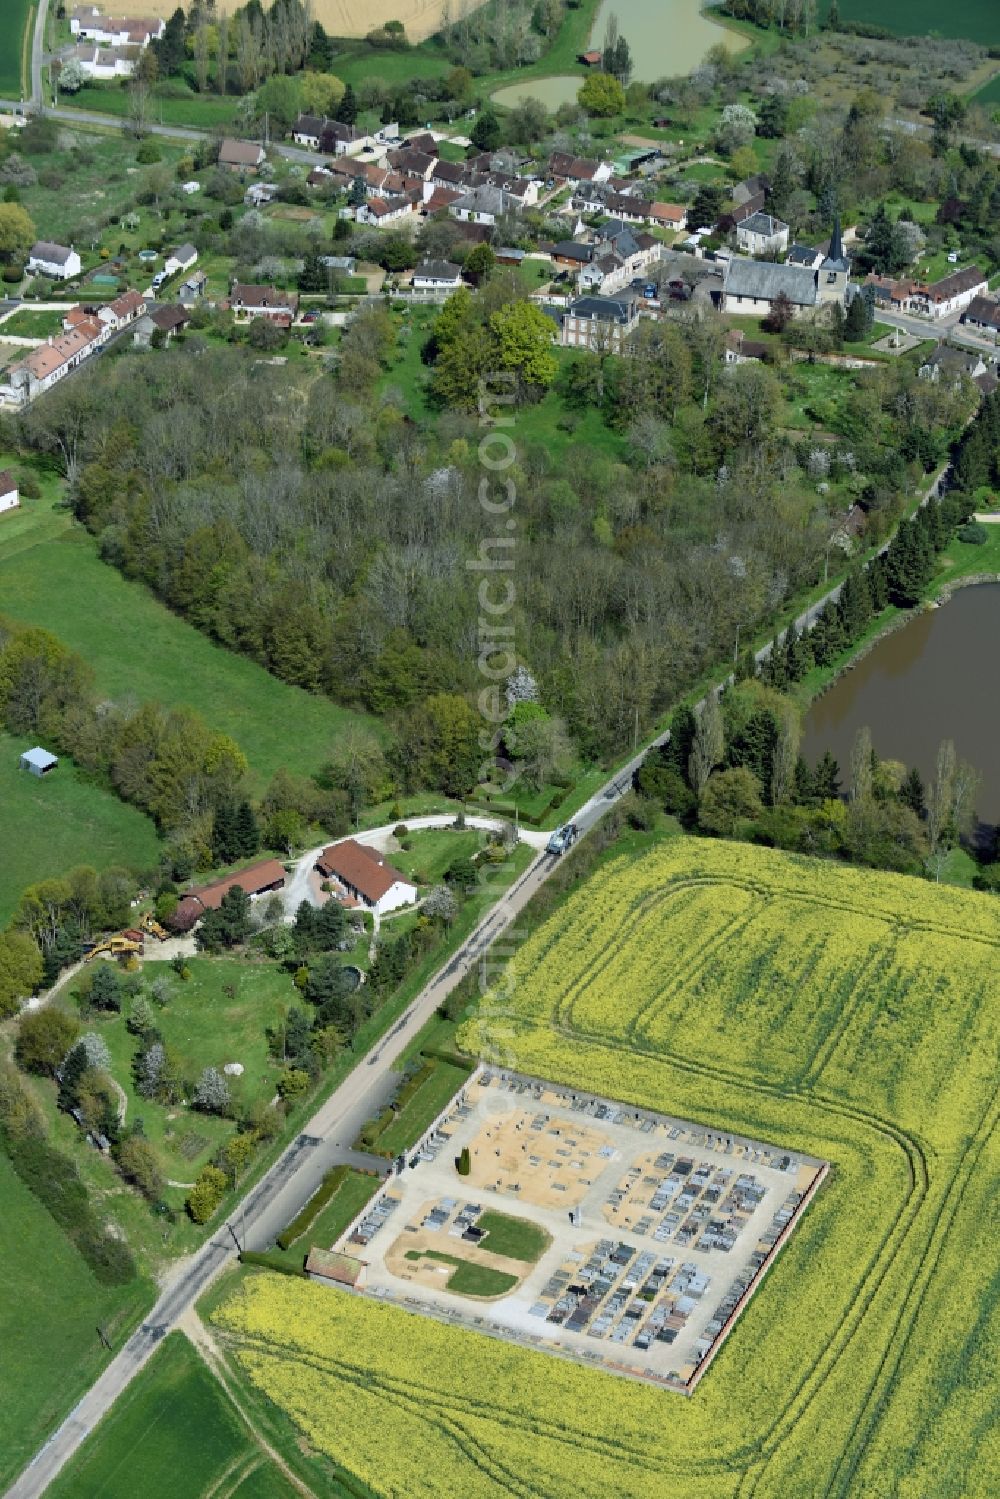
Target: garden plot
[(619, 1236)]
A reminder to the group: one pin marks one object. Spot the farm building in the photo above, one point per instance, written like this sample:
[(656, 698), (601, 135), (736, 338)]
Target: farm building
[(9, 497), (39, 761), (257, 879), (365, 877)]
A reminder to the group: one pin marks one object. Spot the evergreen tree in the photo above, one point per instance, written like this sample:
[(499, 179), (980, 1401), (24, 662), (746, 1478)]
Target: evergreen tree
[(105, 988), (246, 831), (911, 792), (347, 109), (826, 781), (677, 751), (878, 584), (225, 846), (804, 785), (856, 322), (909, 564), (485, 133)]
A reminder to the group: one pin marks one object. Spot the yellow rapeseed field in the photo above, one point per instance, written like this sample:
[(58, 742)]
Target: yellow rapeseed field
[(847, 1014)]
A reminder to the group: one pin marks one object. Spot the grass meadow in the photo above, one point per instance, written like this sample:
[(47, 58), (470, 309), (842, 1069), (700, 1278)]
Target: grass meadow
[(52, 1307), (173, 1434), (975, 20), (51, 575), (18, 15)]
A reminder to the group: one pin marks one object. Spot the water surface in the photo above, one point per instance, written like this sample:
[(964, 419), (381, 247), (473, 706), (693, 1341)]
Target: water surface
[(936, 678)]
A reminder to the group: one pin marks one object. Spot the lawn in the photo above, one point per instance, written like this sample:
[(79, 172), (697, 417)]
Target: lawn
[(173, 1434), (202, 111), (974, 19), (15, 45), (432, 850), (206, 1027), (468, 1279), (517, 1238), (52, 1307), (989, 93), (29, 323), (140, 650), (47, 826)]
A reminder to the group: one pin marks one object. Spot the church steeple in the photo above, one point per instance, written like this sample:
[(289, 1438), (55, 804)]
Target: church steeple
[(836, 244)]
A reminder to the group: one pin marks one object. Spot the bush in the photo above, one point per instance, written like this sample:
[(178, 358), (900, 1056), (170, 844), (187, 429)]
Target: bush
[(973, 533), (206, 1194), (400, 830), (464, 1165)]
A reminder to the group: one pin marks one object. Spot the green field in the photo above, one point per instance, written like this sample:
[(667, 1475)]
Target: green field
[(52, 1306), (51, 575), (975, 19), (48, 826), (85, 184), (17, 14), (173, 1434)]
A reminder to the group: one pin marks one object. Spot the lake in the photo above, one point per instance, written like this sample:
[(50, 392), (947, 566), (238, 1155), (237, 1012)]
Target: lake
[(667, 37), (934, 679)]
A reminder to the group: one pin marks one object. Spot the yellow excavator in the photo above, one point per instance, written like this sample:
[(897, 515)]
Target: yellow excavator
[(120, 945), (150, 924)]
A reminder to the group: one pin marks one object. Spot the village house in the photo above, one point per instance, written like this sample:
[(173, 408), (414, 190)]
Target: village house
[(51, 361), (249, 301), (122, 311), (601, 324), (762, 234), (983, 312), (750, 189), (241, 156), (410, 163), (87, 23), (575, 169), (437, 276), (338, 139), (105, 63), (668, 215), (619, 255), (448, 174), (307, 131), (950, 364), (951, 293), (58, 262), (167, 320), (483, 205), (181, 259), (360, 876), (9, 497), (380, 211), (440, 201)]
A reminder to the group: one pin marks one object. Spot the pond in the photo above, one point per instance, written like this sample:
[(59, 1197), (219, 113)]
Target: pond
[(548, 91), (667, 37), (934, 679)]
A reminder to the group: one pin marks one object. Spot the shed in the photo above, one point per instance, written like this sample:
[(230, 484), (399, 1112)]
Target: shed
[(39, 761), (344, 1269)]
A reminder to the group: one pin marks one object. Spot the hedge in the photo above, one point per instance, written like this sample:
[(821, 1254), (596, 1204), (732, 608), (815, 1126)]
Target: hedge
[(269, 1262), (330, 1183), (453, 1058), (54, 1180)]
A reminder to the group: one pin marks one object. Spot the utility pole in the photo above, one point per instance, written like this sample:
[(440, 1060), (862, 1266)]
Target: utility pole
[(235, 1239)]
